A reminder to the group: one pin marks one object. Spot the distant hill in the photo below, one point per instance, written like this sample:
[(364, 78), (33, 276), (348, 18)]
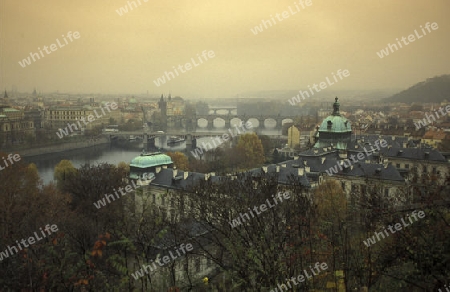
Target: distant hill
[(435, 89)]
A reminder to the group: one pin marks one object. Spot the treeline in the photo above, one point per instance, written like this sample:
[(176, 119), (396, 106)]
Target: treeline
[(98, 249)]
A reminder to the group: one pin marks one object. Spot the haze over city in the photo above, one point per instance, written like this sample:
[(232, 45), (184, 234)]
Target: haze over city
[(124, 52)]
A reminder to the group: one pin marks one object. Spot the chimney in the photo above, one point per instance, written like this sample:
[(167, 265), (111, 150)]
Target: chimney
[(185, 174), (164, 166), (300, 172), (278, 168), (393, 138), (324, 149), (316, 151), (295, 157), (206, 176), (175, 172), (323, 159), (283, 165), (351, 167), (212, 174), (264, 169), (404, 144), (305, 162), (329, 148), (158, 169), (307, 169)]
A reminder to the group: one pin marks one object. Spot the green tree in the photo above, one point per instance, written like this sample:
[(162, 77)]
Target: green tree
[(63, 170)]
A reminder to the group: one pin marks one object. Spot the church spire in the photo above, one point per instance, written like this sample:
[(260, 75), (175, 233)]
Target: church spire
[(336, 107), (6, 95)]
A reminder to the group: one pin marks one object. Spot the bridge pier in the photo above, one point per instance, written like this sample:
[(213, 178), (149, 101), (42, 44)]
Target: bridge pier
[(227, 122), (210, 123), (279, 125), (145, 140), (261, 123)]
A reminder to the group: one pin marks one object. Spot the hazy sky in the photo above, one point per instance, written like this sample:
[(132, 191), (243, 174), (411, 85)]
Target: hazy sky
[(124, 54)]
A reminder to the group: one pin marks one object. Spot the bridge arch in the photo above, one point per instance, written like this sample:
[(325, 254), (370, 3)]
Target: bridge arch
[(254, 122), (219, 122), (270, 123), (202, 123)]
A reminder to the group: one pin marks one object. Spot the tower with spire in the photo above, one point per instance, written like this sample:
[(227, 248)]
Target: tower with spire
[(162, 104)]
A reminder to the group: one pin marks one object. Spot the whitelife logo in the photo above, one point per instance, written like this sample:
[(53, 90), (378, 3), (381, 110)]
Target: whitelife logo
[(108, 197), (263, 207), (10, 158), (316, 270), (284, 15), (188, 66), (332, 170), (197, 152), (166, 260), (398, 227), (53, 48), (90, 118), (411, 38), (31, 240), (421, 124), (122, 10), (322, 85)]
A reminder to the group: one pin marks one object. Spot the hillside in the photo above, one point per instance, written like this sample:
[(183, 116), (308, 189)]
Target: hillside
[(434, 89)]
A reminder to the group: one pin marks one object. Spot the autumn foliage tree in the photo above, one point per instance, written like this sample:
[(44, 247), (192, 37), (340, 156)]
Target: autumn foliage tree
[(180, 160), (251, 148)]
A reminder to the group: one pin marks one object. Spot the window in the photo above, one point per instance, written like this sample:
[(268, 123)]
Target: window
[(163, 201), (434, 170), (424, 170), (397, 165), (407, 166), (154, 198), (343, 185), (386, 191)]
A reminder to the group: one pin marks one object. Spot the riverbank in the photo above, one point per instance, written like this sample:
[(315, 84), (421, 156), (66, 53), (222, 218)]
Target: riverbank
[(63, 147)]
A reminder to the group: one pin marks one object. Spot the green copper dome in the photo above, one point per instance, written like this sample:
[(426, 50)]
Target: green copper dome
[(150, 160), (335, 123)]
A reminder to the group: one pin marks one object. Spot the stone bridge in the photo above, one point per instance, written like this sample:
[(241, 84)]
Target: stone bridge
[(191, 124)]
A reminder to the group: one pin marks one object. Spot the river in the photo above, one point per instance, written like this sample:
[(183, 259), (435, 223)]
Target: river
[(106, 153)]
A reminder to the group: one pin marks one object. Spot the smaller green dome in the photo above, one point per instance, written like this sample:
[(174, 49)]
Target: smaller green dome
[(150, 160), (335, 124)]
